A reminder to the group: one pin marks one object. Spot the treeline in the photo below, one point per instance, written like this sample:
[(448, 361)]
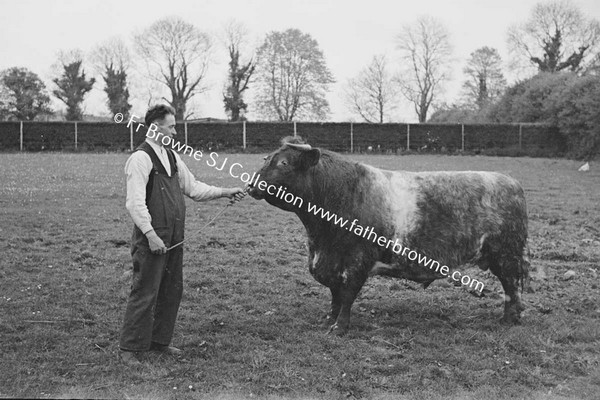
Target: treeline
[(561, 43), (566, 100)]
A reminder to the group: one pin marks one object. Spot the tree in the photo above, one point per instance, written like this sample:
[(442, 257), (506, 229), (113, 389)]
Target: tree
[(24, 94), (372, 93), (594, 66), (116, 91), (292, 77), (454, 114), (177, 55), (556, 37), (239, 72), (485, 81), (579, 118), (72, 85), (425, 52), (5, 100), (112, 60), (536, 99)]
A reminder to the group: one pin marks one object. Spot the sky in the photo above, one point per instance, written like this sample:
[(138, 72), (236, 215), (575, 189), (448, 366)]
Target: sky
[(349, 32)]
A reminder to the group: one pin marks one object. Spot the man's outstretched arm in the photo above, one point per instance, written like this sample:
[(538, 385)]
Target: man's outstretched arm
[(200, 191)]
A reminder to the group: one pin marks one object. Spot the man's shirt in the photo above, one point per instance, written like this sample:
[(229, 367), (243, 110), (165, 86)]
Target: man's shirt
[(138, 169)]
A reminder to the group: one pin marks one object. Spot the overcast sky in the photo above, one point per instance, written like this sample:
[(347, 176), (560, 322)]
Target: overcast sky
[(349, 32)]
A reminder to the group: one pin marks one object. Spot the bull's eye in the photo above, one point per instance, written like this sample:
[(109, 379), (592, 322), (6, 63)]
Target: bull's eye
[(283, 162), (265, 158)]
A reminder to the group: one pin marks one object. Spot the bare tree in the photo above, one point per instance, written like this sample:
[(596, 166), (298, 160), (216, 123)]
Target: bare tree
[(485, 80), (425, 52), (372, 93), (557, 36), (240, 71), (114, 52), (292, 77), (177, 55), (594, 65), (112, 60)]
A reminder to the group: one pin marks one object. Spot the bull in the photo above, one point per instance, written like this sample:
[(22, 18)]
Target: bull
[(456, 218)]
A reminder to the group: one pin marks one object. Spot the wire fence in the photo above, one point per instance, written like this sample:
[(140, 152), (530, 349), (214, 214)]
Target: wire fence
[(522, 139)]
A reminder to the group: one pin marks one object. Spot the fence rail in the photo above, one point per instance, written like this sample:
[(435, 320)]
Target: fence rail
[(526, 139)]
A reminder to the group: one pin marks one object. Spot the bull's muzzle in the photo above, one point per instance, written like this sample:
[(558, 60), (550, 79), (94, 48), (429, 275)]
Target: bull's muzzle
[(254, 191)]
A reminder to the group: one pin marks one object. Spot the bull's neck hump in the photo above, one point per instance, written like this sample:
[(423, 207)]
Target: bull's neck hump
[(337, 186)]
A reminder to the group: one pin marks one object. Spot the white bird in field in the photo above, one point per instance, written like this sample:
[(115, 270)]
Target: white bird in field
[(584, 167)]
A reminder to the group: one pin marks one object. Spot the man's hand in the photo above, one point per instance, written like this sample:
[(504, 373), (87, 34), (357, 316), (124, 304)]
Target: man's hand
[(236, 194), (157, 246)]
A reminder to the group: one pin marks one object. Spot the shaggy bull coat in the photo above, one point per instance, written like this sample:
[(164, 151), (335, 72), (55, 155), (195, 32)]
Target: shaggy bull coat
[(452, 217)]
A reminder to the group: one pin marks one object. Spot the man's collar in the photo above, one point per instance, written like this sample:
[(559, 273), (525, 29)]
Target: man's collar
[(155, 146)]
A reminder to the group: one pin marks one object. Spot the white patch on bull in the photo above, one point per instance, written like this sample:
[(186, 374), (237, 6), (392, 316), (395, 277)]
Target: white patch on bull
[(493, 182), (478, 254), (380, 269), (401, 196), (313, 262), (482, 241), (344, 277), (490, 182)]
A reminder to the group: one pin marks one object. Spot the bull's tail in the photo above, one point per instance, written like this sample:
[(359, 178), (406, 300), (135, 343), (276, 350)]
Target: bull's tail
[(523, 276)]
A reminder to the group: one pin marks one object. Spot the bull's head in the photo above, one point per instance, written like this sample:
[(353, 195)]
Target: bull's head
[(287, 170)]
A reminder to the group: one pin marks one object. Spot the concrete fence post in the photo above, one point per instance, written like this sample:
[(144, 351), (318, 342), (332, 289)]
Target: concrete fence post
[(75, 135), (185, 135), (407, 136), (351, 137), (131, 137), (244, 134), (520, 136), (21, 136), (462, 134), (295, 131)]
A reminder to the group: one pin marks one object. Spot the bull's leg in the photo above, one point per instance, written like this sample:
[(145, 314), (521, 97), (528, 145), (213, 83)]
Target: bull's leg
[(336, 305), (511, 274), (347, 294), (512, 301)]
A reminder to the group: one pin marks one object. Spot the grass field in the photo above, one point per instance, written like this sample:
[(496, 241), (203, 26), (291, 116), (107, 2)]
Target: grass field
[(250, 321)]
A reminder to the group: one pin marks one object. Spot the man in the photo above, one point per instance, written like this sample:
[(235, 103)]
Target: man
[(157, 179)]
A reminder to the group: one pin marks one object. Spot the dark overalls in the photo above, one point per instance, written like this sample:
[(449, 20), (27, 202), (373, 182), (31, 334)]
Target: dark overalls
[(157, 279)]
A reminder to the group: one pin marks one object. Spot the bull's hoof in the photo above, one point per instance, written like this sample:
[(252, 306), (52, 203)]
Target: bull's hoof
[(336, 330), (510, 320), (328, 321)]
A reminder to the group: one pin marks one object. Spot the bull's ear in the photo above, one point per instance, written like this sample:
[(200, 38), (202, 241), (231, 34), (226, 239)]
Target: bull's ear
[(310, 158)]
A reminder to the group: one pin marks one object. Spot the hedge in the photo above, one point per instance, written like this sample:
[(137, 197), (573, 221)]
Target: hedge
[(520, 139)]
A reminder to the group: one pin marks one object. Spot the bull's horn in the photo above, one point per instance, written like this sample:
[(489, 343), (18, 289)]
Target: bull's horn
[(301, 147)]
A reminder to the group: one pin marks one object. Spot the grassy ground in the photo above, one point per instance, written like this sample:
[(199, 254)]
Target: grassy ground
[(250, 319)]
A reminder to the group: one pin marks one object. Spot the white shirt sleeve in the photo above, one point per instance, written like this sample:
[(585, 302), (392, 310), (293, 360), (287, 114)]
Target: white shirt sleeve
[(192, 188), (137, 170)]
